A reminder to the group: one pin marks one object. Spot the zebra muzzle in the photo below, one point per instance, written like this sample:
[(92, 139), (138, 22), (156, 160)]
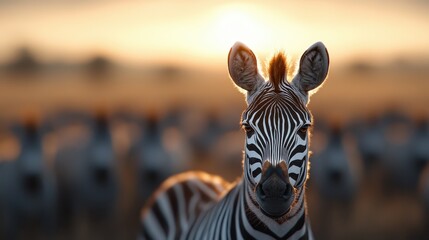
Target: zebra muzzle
[(274, 193)]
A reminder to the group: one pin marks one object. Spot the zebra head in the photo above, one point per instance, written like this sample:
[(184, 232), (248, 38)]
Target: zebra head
[(276, 123)]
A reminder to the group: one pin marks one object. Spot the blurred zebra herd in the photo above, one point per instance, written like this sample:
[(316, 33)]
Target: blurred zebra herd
[(86, 175)]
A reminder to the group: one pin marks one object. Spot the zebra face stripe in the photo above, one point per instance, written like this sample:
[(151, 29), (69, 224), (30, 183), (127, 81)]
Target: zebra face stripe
[(276, 125)]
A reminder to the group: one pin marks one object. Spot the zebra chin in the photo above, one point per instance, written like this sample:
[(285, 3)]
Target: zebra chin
[(274, 193)]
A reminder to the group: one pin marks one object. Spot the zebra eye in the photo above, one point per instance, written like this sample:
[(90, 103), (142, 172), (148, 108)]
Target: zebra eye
[(248, 129), (302, 131)]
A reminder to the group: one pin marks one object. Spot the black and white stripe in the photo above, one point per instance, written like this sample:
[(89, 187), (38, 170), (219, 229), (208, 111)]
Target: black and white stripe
[(178, 203), (276, 120), (201, 206)]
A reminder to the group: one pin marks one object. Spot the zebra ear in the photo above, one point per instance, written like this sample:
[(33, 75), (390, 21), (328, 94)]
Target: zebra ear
[(313, 69), (243, 68)]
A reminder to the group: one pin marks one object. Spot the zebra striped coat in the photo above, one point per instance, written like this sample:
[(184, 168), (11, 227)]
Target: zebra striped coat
[(268, 201)]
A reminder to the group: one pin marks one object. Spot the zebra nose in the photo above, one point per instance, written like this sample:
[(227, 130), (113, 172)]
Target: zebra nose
[(274, 193), (274, 187)]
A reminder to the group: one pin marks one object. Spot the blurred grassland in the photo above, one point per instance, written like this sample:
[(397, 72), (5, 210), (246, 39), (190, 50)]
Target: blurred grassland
[(347, 93)]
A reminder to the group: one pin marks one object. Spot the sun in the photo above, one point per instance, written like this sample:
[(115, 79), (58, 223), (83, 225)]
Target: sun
[(239, 22)]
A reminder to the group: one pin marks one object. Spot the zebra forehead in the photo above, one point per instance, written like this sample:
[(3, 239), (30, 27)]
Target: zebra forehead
[(269, 100)]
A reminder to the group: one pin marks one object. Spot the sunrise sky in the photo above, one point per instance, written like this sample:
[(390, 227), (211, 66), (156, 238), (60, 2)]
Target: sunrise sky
[(201, 32)]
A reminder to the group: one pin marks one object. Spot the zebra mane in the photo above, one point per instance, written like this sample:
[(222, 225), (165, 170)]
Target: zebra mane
[(279, 69)]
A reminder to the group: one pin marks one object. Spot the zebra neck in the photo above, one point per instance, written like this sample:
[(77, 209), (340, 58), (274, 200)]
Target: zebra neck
[(291, 226)]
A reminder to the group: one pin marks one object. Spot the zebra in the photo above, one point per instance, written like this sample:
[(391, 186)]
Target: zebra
[(29, 186), (85, 166), (268, 201), (335, 168)]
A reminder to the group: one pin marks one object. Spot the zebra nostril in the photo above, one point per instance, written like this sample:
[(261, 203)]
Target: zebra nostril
[(288, 192), (261, 192)]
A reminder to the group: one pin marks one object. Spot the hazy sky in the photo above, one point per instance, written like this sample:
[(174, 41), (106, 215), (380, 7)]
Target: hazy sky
[(202, 31)]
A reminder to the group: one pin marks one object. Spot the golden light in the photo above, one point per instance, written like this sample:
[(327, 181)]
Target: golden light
[(239, 22)]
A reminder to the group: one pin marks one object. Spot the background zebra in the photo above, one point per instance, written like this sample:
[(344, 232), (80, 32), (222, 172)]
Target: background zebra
[(268, 202)]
